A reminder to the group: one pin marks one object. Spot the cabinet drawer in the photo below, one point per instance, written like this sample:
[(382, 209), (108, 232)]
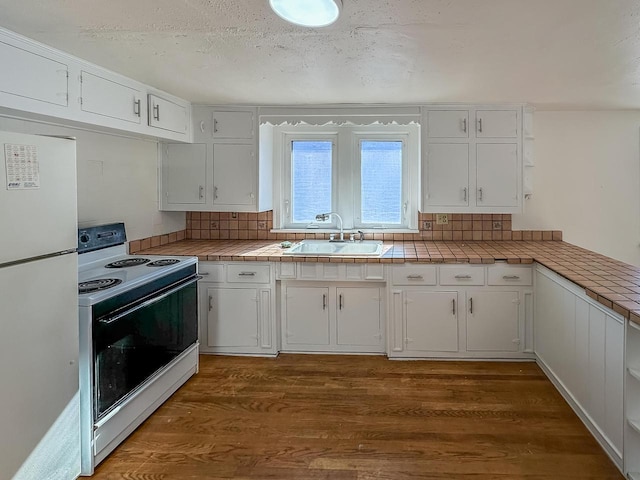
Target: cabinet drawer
[(414, 275), (212, 272), (248, 273), (462, 275), (508, 275)]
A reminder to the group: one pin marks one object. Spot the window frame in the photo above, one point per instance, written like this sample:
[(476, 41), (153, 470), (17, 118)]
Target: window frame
[(358, 138), (346, 173)]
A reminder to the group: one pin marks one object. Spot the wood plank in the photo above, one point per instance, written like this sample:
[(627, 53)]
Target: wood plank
[(360, 417)]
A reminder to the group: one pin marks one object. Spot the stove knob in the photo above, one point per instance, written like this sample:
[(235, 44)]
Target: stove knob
[(84, 238)]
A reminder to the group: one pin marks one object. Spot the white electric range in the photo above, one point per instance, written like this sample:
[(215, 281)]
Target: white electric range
[(138, 336)]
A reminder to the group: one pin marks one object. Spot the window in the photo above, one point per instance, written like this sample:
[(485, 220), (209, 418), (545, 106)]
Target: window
[(311, 166), (381, 182), (368, 175)]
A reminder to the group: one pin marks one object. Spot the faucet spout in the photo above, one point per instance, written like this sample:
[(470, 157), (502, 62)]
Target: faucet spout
[(325, 216)]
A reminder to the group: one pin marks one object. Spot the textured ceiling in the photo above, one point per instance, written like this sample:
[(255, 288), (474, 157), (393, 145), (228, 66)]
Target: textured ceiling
[(550, 53)]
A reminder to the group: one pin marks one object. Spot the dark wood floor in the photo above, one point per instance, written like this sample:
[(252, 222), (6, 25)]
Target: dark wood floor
[(359, 417)]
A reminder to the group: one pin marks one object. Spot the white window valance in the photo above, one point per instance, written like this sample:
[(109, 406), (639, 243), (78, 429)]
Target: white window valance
[(342, 115)]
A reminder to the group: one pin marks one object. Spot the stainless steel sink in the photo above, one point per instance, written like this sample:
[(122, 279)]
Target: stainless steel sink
[(367, 248)]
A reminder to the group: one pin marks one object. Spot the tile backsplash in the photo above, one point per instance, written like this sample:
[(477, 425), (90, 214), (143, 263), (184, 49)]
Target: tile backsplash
[(257, 226)]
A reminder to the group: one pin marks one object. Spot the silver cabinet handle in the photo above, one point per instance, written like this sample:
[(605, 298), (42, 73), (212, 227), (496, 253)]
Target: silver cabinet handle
[(462, 277), (464, 125), (471, 305), (511, 277), (464, 190), (156, 112), (247, 274), (480, 125), (201, 192), (415, 277), (324, 301), (480, 194), (340, 304), (204, 274), (136, 107), (210, 303), (215, 126), (453, 306)]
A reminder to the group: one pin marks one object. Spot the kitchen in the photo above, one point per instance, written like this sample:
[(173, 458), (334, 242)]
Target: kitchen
[(586, 147)]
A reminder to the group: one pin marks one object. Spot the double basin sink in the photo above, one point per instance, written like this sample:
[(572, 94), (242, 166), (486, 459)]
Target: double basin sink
[(366, 248)]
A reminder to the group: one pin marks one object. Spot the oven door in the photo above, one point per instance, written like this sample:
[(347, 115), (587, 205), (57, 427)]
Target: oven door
[(139, 339)]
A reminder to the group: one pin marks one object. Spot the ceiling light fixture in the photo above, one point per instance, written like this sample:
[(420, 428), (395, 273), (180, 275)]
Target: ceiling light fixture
[(307, 13)]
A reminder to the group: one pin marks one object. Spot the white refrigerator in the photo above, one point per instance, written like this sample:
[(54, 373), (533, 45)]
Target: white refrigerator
[(39, 396)]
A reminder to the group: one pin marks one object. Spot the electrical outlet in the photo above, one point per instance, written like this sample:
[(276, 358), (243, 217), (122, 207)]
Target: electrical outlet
[(497, 225), (234, 215), (214, 225), (442, 219), (427, 226), (262, 225)]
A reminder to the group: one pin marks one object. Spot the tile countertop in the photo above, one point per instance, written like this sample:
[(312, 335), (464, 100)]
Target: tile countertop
[(613, 283)]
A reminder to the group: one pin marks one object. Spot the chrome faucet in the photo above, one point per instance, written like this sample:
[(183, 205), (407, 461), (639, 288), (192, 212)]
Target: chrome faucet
[(323, 217)]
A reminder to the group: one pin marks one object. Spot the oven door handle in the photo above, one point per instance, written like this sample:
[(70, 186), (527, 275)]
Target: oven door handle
[(151, 301)]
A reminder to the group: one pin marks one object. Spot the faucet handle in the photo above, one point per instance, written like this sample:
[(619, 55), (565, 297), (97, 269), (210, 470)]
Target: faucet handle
[(352, 237), (332, 237), (361, 235)]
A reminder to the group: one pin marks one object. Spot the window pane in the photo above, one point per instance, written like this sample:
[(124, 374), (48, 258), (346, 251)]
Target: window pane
[(381, 180), (311, 163)]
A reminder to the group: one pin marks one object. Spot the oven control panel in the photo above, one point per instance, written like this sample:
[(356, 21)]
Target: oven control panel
[(102, 236)]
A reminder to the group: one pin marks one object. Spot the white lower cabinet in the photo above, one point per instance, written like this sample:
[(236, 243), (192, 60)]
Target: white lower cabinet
[(632, 402), (332, 317), (580, 345), (305, 317), (237, 308), (447, 318), (492, 321), (430, 321)]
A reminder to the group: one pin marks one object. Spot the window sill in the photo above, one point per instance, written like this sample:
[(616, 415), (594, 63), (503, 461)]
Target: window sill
[(347, 231)]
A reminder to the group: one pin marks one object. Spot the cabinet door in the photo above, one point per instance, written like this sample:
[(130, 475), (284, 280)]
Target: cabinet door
[(108, 98), (234, 174), (614, 381), (236, 125), (306, 319), (492, 321), (184, 169), (496, 124), (167, 115), (447, 174), (497, 175), (448, 123), (232, 319), (32, 76), (431, 321), (359, 320)]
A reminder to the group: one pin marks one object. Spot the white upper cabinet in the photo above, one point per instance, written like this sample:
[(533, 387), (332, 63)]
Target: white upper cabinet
[(109, 98), (233, 125), (168, 115), (237, 178), (30, 76), (497, 124), (497, 175), (472, 167), (448, 123), (41, 81), (182, 164), (448, 167)]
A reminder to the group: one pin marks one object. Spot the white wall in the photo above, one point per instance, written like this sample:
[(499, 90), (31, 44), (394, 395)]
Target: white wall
[(117, 179), (587, 180)]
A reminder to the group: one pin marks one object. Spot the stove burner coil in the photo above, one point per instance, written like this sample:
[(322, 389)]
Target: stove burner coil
[(163, 262), (127, 262), (97, 285)]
